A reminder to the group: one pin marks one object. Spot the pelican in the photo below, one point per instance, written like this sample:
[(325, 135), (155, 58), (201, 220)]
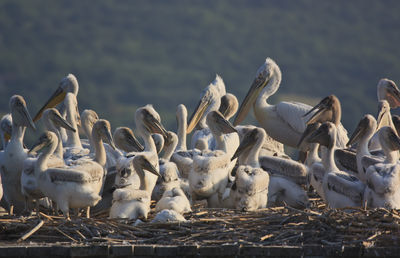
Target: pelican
[(135, 203), (5, 129), (396, 123), (210, 170), (126, 141), (383, 178), (283, 121), (285, 176), (12, 158), (88, 118), (329, 109), (174, 199), (210, 100), (387, 90), (75, 186), (340, 189), (29, 186), (168, 216), (384, 118), (182, 157)]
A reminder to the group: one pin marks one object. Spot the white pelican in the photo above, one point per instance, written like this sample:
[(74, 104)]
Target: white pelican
[(340, 189), (174, 199), (384, 118), (132, 203), (12, 159), (383, 178), (5, 129), (168, 216), (52, 121), (210, 100), (387, 90), (75, 186), (283, 121), (208, 177), (88, 118), (285, 176), (183, 157)]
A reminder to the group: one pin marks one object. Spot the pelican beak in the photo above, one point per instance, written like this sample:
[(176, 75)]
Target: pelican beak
[(383, 116), (320, 136), (393, 97), (309, 130), (149, 167), (320, 107), (394, 140), (258, 84), (199, 111), (224, 125), (55, 99), (135, 143), (109, 139), (63, 123), (245, 144), (27, 117), (155, 126), (357, 133)]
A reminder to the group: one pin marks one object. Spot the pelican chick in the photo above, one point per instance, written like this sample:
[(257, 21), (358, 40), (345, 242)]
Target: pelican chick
[(134, 203), (168, 216), (340, 189), (126, 141), (174, 199)]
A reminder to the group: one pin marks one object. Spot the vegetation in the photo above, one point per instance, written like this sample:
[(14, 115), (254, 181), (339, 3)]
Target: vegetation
[(126, 54)]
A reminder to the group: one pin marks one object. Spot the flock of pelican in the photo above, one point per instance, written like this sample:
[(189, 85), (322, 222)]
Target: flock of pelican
[(228, 165)]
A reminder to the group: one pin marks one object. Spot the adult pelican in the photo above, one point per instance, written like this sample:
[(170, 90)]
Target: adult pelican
[(12, 159), (388, 90), (210, 100)]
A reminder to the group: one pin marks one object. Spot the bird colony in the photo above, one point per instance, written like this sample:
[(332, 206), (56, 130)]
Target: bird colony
[(227, 165)]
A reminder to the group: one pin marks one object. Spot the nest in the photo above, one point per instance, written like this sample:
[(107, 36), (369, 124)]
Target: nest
[(266, 227)]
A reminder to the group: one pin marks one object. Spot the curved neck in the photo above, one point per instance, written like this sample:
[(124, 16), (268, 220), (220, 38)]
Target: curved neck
[(254, 152), (100, 153), (312, 155), (391, 156), (269, 89), (49, 126), (328, 158), (169, 150), (73, 139), (88, 129), (182, 125), (41, 163), (17, 136)]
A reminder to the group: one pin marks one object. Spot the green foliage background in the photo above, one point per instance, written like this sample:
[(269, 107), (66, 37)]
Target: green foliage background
[(126, 54)]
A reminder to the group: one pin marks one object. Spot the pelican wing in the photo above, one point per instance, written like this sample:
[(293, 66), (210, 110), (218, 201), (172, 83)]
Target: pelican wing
[(341, 136), (346, 185), (370, 160), (346, 160), (381, 178), (58, 175), (284, 167), (292, 113)]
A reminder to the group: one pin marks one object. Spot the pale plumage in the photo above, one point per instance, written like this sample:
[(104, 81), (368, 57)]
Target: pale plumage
[(174, 199), (75, 186), (12, 158), (340, 189), (383, 178)]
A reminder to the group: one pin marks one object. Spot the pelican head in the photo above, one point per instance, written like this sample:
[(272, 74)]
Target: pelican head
[(103, 129), (328, 109), (6, 127), (384, 116), (367, 125), (67, 84), (52, 114), (148, 119), (389, 139), (125, 140), (218, 124), (324, 135), (229, 105), (248, 140), (309, 130), (388, 90), (141, 161), (210, 100), (263, 76), (45, 140), (19, 112)]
